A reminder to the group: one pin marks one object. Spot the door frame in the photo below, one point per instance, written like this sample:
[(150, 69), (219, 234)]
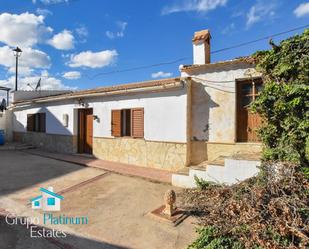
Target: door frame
[(81, 130), (238, 82)]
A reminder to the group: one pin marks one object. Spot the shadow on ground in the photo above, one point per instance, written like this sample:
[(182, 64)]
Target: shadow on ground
[(19, 170), (18, 237)]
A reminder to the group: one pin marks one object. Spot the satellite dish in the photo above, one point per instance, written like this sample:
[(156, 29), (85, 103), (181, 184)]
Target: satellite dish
[(38, 85)]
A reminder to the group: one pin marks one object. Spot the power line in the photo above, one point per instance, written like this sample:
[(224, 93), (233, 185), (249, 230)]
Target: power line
[(137, 68), (260, 39), (185, 58)]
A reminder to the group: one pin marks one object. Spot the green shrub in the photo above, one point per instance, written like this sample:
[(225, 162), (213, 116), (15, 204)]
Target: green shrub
[(284, 102), (209, 238), (202, 184)]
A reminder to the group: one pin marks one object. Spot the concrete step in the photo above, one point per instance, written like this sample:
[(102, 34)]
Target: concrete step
[(233, 171)]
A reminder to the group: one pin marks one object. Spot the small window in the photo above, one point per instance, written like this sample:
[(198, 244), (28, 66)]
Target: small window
[(36, 122), (51, 201), (128, 122), (36, 203)]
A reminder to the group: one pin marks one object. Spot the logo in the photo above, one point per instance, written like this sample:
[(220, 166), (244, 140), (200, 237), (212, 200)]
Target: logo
[(40, 226), (48, 201)]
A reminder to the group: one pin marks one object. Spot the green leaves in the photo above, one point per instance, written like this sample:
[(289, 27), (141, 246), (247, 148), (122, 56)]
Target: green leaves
[(284, 101)]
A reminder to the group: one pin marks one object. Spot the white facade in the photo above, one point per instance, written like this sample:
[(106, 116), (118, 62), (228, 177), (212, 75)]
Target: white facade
[(2, 121), (24, 95), (214, 101), (164, 114)]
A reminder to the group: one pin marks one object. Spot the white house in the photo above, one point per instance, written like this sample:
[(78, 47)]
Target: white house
[(168, 124), (48, 201)]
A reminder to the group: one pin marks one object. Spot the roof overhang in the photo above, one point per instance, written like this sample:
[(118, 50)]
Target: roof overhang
[(132, 88), (242, 60)]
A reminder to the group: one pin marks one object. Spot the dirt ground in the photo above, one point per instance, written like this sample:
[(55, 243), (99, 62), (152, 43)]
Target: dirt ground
[(116, 206)]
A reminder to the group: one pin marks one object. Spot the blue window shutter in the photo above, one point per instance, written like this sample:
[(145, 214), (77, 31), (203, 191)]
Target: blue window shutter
[(36, 203), (51, 201)]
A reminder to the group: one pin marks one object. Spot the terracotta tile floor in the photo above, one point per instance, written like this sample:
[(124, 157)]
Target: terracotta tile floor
[(121, 168)]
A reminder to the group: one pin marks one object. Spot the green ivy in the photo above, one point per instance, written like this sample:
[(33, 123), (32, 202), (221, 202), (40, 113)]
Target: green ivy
[(284, 101)]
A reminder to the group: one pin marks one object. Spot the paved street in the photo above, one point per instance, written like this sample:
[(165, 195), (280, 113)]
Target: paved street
[(116, 206)]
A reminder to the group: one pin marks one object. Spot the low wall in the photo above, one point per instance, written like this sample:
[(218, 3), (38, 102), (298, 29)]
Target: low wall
[(49, 142), (161, 155), (215, 150), (206, 151)]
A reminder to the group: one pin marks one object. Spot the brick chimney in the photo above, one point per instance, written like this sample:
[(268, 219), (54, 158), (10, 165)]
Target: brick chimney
[(201, 47)]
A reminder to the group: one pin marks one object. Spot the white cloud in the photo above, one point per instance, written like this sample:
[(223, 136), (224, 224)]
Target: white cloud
[(82, 33), (22, 71), (161, 74), (43, 12), (47, 83), (261, 10), (120, 33), (63, 40), (228, 29), (93, 59), (49, 2), (30, 58), (24, 30), (302, 10), (72, 75), (193, 5)]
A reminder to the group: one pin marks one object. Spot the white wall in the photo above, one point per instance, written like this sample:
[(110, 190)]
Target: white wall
[(199, 53), (214, 103), (23, 94), (164, 114), (54, 113), (2, 121)]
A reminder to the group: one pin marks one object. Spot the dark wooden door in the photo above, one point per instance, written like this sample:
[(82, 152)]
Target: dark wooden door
[(85, 130), (247, 122)]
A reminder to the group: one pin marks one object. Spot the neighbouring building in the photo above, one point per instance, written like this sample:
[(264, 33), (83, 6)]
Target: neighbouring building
[(168, 124)]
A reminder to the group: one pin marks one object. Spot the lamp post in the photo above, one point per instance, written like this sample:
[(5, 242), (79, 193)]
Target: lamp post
[(17, 53)]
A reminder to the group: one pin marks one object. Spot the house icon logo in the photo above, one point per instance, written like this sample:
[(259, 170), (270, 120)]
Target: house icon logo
[(48, 201)]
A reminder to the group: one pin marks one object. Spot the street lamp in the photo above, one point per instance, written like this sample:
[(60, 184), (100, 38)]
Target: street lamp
[(17, 53)]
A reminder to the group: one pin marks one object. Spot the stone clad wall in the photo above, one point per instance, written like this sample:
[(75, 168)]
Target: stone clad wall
[(161, 155), (215, 150), (49, 142)]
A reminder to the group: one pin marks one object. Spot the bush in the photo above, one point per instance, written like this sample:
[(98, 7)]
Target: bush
[(268, 211), (284, 101), (209, 239)]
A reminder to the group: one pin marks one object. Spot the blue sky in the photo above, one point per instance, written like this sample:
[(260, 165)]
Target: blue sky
[(70, 43)]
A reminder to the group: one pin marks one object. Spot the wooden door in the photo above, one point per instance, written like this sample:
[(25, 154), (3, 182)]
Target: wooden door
[(85, 130), (247, 122)]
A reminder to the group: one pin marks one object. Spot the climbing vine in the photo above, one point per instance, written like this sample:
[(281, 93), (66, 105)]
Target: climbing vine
[(269, 210), (284, 101)]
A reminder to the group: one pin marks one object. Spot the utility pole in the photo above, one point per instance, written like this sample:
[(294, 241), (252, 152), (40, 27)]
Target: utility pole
[(17, 53)]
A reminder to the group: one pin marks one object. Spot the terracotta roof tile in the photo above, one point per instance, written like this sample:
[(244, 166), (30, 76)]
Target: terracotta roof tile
[(201, 35), (248, 60)]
